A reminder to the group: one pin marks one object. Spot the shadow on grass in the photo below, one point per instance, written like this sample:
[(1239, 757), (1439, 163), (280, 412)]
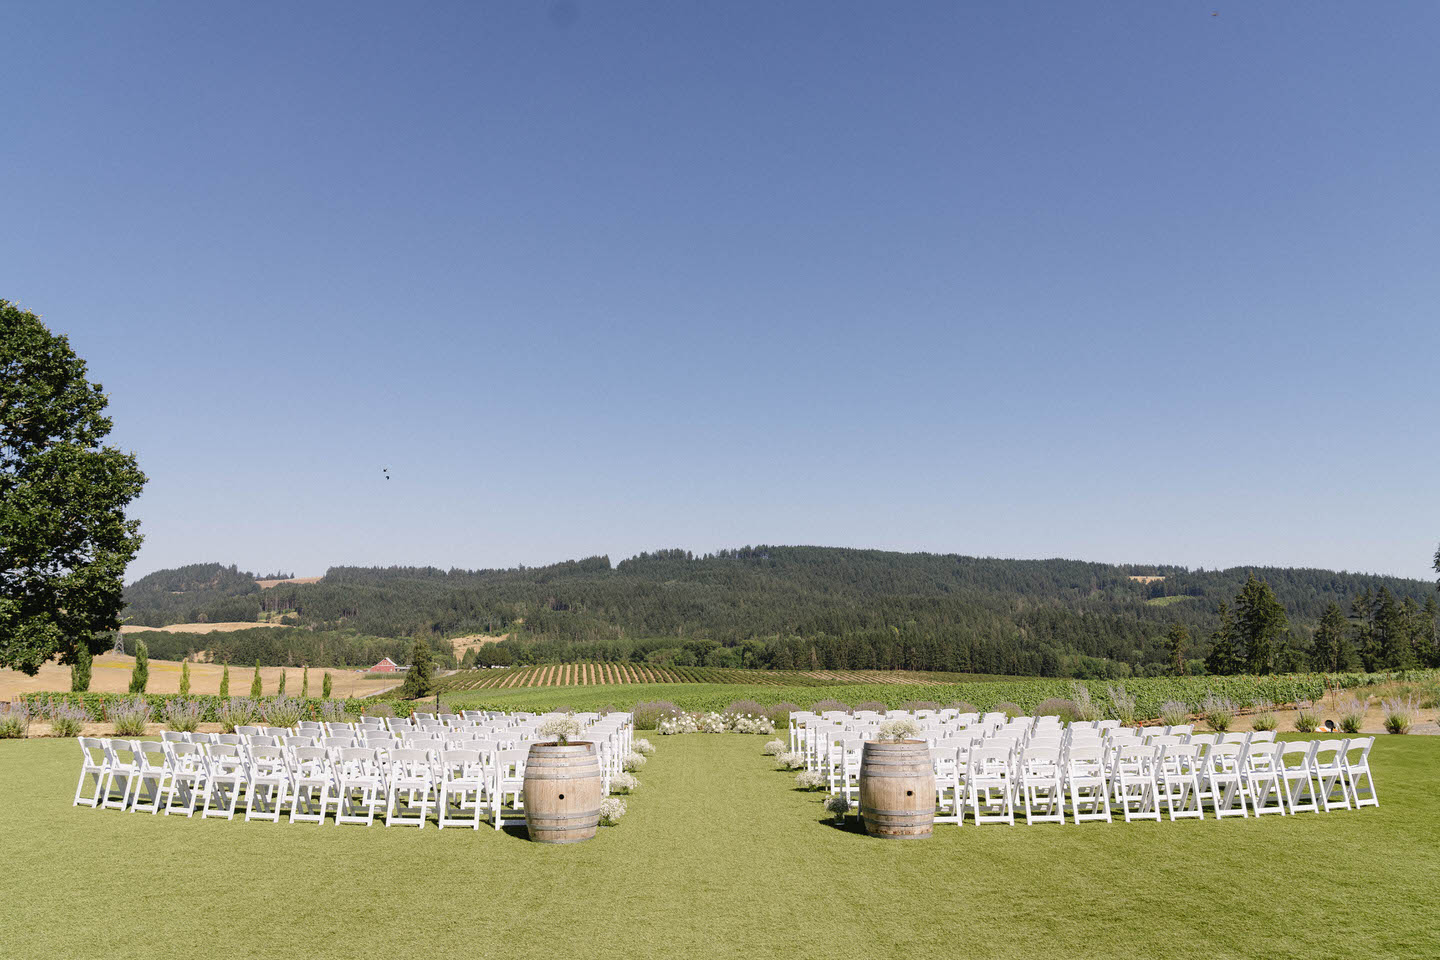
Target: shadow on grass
[(850, 824)]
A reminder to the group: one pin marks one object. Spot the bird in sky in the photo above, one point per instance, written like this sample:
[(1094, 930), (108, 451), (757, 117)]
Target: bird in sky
[(386, 471)]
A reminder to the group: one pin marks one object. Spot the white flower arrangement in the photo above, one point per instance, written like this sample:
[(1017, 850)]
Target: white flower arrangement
[(810, 780), (633, 761), (790, 760), (563, 728), (611, 810), (774, 748), (838, 805), (902, 728), (677, 724), (623, 783), (644, 747), (748, 724), (713, 723)]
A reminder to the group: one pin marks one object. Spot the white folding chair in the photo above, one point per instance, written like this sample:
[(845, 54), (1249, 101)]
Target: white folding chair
[(508, 780), (312, 785), (409, 774), (1134, 783), (1225, 780), (1039, 776), (94, 763), (1087, 783), (268, 783), (1262, 778), (462, 788), (361, 785), (189, 778), (1295, 761), (121, 766), (227, 775), (991, 784), (152, 776), (1355, 758), (1178, 780), (1328, 762)]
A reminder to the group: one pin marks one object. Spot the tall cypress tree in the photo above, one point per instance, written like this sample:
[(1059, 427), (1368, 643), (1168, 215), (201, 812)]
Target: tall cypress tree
[(305, 680), (325, 686), (80, 669), (280, 691), (256, 691), (184, 678), (225, 681), (140, 675)]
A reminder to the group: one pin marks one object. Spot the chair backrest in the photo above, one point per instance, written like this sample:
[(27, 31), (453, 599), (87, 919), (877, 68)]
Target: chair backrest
[(1262, 736), (310, 761), (187, 756), (153, 753), (1328, 753), (246, 731), (1296, 753), (174, 736), (1357, 751), (267, 756), (409, 762), (94, 750)]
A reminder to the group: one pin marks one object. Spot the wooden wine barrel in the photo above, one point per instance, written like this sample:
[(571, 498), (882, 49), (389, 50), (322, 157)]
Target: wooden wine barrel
[(897, 790), (562, 792)]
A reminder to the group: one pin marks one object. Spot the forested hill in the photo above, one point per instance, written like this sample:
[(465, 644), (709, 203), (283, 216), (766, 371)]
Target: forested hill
[(784, 607)]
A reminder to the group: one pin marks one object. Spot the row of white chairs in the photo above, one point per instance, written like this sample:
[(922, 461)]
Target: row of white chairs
[(403, 774), (990, 768)]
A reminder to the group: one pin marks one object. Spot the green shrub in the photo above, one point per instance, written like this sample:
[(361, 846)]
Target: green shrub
[(1056, 707), (326, 685), (236, 712), (130, 717), (1218, 711), (913, 705), (746, 708), (1352, 714), (379, 710), (1307, 716), (649, 713), (873, 705), (829, 705), (1264, 717), (1400, 713), (1086, 709), (67, 720), (183, 715), (14, 720), (1173, 713), (962, 706), (780, 713), (1122, 705), (1009, 709)]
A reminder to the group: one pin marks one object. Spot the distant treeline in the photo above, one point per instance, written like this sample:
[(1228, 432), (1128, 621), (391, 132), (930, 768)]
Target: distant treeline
[(285, 647), (797, 608)]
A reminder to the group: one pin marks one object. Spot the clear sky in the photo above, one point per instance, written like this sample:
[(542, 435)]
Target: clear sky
[(1120, 281)]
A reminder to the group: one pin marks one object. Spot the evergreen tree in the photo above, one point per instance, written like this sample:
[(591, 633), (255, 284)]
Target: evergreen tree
[(1331, 651), (420, 680), (80, 669), (256, 691), (184, 678), (1391, 636), (1428, 634), (305, 680), (280, 691), (140, 675), (1176, 641), (326, 686), (225, 681), (1363, 629), (1259, 623), (1223, 658)]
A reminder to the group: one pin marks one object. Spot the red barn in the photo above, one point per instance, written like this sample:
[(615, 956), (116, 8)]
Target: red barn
[(385, 666)]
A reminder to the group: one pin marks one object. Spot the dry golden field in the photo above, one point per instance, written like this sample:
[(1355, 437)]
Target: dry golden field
[(111, 674)]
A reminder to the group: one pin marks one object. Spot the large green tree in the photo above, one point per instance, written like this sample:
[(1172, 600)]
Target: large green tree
[(1223, 658), (1331, 650), (1260, 621), (64, 538)]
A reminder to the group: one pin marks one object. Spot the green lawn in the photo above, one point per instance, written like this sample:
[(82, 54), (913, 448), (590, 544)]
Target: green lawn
[(719, 857)]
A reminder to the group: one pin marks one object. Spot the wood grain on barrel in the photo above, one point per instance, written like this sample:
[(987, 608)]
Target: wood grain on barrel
[(897, 790), (562, 792)]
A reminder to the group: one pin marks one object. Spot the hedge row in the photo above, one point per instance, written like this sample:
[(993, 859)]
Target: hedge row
[(97, 705)]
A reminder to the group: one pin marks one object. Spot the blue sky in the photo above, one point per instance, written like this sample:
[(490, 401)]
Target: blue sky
[(1116, 281)]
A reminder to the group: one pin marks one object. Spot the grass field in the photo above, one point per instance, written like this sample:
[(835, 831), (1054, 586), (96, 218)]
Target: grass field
[(110, 673), (720, 857)]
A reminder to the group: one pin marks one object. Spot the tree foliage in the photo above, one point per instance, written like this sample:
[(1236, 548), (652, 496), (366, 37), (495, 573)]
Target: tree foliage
[(420, 679), (64, 538), (80, 670), (140, 673)]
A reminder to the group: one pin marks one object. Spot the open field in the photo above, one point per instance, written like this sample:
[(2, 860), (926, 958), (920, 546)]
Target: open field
[(111, 674), (719, 857), (267, 584), (198, 627)]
